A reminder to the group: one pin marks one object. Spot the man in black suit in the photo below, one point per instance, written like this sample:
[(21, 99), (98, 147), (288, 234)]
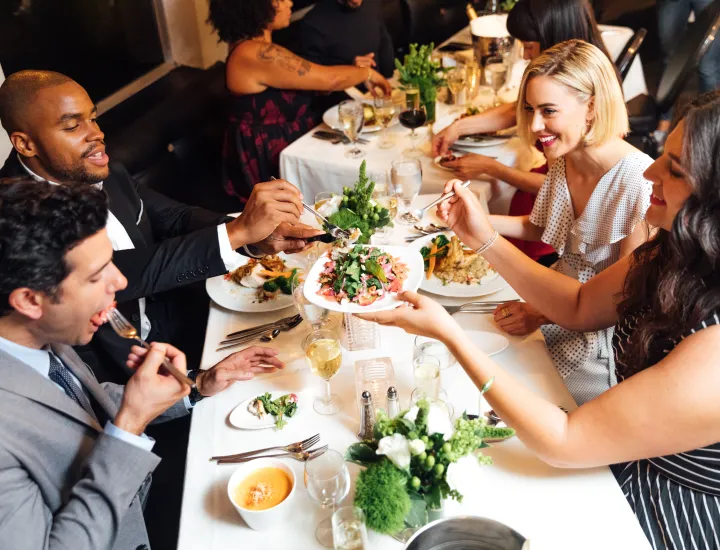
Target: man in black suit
[(160, 245)]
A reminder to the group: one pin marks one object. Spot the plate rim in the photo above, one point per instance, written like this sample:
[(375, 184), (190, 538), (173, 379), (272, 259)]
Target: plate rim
[(469, 332), (270, 418), (365, 129)]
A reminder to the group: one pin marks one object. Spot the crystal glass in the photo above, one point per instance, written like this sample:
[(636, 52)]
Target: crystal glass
[(328, 482), (384, 112), (413, 117), (406, 179), (315, 315), (426, 372), (495, 74), (349, 531), (382, 235), (384, 193), (435, 348), (324, 355), (441, 399), (322, 198), (456, 82), (352, 117), (472, 79)]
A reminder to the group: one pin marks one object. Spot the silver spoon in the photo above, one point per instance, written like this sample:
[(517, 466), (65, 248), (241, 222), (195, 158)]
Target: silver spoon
[(420, 212), (270, 337)]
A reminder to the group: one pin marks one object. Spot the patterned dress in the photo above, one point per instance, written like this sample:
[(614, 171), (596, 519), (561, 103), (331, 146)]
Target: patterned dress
[(676, 498), (586, 246)]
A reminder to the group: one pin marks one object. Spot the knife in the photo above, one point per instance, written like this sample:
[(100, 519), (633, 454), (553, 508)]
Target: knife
[(266, 326), (244, 340)]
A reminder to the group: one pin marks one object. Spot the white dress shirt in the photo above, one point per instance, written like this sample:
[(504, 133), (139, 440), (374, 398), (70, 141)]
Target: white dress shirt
[(39, 360)]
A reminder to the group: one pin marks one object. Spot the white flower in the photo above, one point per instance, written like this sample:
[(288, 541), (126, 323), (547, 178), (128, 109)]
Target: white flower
[(411, 415), (397, 449), (417, 447), (438, 421), (464, 474)]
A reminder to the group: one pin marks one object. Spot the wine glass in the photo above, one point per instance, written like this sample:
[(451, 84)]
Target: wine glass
[(456, 82), (328, 482), (495, 73), (349, 531), (413, 117), (315, 315), (324, 355), (384, 193), (472, 79), (352, 117), (406, 178), (384, 112)]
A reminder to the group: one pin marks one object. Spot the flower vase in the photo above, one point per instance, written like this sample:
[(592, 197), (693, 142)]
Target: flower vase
[(431, 514), (436, 513), (428, 97)]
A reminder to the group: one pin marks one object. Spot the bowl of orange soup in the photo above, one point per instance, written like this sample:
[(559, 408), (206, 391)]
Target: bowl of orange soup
[(261, 491)]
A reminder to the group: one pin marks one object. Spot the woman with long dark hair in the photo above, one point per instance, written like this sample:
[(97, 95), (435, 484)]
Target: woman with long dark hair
[(659, 428), (272, 89)]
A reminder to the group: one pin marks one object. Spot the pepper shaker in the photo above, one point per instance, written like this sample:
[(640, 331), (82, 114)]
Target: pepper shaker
[(392, 405), (367, 416)]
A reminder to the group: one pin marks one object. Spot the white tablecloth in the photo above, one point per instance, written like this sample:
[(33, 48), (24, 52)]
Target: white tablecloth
[(556, 509)]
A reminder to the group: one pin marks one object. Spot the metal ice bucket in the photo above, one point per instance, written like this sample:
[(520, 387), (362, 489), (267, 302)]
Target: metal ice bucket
[(489, 32), (467, 533)]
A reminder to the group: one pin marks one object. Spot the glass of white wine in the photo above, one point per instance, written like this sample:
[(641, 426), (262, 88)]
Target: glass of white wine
[(495, 74), (349, 531), (456, 83), (324, 354), (384, 112), (352, 117), (384, 193)]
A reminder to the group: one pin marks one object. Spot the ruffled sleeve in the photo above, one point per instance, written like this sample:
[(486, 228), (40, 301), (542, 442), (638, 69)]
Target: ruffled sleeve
[(552, 210)]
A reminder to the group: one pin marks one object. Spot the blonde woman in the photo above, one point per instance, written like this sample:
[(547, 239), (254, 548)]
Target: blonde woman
[(592, 202)]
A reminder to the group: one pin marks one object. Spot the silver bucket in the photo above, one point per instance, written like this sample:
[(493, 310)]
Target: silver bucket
[(467, 533), (489, 34)]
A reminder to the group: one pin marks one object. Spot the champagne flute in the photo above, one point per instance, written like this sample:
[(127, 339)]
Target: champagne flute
[(324, 355), (352, 117), (413, 117), (406, 178), (328, 482), (472, 79), (384, 112), (456, 82), (495, 73)]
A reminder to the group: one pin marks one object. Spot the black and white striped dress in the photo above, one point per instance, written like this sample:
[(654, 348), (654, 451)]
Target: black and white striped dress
[(676, 498)]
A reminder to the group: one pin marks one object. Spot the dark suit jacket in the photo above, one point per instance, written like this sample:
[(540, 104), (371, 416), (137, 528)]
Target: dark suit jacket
[(175, 245)]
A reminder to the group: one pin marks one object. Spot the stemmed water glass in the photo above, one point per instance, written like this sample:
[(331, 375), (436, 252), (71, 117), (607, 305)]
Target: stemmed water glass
[(413, 117), (315, 315), (495, 74), (324, 355), (384, 112), (352, 116), (406, 179), (328, 482)]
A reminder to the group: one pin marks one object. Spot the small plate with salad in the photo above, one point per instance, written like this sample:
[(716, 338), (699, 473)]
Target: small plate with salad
[(362, 278), (451, 269), (259, 285), (266, 410)]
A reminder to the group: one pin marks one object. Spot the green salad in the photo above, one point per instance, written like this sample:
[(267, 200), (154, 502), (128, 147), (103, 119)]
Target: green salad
[(283, 407)]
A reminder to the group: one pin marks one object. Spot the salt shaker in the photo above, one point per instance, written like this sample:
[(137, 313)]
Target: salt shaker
[(367, 416), (392, 405)]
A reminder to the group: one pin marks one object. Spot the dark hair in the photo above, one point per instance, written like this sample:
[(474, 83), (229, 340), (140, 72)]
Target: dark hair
[(18, 92), (39, 224), (675, 277), (550, 22), (240, 19)]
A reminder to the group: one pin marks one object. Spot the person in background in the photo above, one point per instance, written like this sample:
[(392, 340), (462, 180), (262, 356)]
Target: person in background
[(659, 428), (347, 32), (272, 89), (75, 465), (592, 204), (673, 18), (539, 24)]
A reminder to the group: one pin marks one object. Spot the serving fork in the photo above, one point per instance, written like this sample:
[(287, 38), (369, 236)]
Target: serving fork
[(291, 448), (477, 307), (300, 456)]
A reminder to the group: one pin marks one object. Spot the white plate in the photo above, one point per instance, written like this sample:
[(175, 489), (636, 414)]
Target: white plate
[(241, 418), (485, 142), (436, 161), (489, 342), (330, 117), (488, 284), (409, 256), (238, 298)]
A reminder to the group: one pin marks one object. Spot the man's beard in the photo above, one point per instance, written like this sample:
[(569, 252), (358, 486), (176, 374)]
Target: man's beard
[(76, 174)]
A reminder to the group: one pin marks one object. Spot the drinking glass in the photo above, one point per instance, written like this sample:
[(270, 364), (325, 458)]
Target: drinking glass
[(434, 348), (322, 197), (441, 400), (413, 117), (472, 79), (456, 83), (315, 315), (352, 116), (348, 527), (384, 112), (328, 482), (406, 178), (495, 73), (384, 194), (324, 355), (426, 371)]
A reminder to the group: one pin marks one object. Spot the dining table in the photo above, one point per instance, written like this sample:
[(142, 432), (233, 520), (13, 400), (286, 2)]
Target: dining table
[(555, 508)]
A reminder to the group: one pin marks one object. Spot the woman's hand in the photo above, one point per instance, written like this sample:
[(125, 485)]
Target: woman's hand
[(472, 166), (367, 60), (519, 318), (376, 79), (465, 216), (421, 315), (442, 141)]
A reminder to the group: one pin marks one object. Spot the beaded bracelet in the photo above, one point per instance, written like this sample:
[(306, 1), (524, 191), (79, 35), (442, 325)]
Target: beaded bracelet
[(488, 244)]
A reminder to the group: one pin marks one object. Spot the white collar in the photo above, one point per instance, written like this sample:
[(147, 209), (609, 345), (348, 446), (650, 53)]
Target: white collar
[(34, 176), (38, 359)]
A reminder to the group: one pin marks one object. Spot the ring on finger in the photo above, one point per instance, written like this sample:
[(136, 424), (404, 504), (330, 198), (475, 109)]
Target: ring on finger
[(505, 312)]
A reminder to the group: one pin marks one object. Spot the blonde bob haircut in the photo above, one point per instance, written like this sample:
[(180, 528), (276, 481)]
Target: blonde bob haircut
[(588, 72)]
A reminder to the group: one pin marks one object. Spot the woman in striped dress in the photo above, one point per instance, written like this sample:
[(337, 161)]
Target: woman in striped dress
[(659, 427)]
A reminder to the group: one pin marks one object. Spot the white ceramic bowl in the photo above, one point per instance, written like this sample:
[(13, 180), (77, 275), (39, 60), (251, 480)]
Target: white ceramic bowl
[(261, 520)]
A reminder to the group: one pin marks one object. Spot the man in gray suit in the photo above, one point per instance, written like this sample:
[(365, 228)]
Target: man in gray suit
[(74, 463)]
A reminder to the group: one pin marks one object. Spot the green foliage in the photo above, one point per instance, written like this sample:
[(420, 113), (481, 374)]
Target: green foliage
[(363, 453), (281, 408), (419, 70), (380, 492), (507, 5)]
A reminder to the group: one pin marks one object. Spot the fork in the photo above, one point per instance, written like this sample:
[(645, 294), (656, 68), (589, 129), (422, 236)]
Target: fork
[(262, 328), (124, 329), (301, 456), (476, 307), (291, 448), (246, 339)]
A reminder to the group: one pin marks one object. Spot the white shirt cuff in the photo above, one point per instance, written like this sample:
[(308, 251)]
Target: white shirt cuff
[(230, 258), (186, 402), (144, 442)]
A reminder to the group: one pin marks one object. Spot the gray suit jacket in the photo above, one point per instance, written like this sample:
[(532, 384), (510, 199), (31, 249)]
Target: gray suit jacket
[(64, 483)]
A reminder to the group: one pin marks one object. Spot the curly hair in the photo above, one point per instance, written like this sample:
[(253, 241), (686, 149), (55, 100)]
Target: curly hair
[(240, 19), (675, 277), (39, 224)]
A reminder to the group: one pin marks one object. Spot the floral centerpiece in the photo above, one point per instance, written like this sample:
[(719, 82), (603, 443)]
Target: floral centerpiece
[(418, 70), (415, 461)]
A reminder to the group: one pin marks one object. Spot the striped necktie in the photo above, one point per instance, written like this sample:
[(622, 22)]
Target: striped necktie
[(60, 374)]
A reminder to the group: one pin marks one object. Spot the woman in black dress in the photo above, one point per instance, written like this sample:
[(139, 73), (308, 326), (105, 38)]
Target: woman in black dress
[(274, 100), (659, 427)]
